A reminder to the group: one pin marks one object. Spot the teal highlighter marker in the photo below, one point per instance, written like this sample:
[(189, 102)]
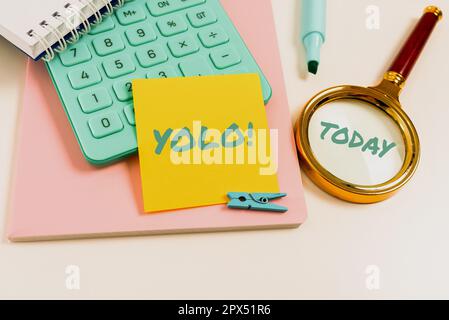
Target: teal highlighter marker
[(313, 33)]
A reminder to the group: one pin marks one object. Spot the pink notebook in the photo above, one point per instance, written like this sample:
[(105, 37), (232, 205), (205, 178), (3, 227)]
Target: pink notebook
[(57, 195)]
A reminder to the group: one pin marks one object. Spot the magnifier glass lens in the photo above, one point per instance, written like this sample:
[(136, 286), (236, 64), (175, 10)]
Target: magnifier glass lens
[(356, 142)]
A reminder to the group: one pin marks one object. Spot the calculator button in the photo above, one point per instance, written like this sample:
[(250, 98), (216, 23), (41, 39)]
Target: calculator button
[(225, 58), (140, 34), (106, 25), (84, 77), (213, 36), (108, 44), (118, 66), (129, 114), (161, 7), (195, 67), (163, 71), (94, 100), (201, 17), (105, 125), (172, 25), (123, 90), (151, 55), (183, 45), (130, 14), (75, 54)]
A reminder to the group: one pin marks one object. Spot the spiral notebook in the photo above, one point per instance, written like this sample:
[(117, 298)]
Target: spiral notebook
[(39, 28)]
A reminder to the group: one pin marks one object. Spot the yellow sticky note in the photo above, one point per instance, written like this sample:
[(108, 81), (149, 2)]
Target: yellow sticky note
[(202, 137)]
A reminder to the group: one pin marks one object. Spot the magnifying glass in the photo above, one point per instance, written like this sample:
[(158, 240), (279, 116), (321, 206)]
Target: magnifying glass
[(357, 143)]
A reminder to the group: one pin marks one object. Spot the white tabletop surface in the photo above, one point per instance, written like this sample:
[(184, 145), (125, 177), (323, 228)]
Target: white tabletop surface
[(394, 249)]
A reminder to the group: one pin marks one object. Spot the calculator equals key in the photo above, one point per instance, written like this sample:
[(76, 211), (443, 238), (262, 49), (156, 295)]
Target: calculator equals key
[(142, 39)]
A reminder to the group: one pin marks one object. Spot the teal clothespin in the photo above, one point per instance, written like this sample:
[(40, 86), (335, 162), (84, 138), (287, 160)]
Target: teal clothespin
[(255, 201)]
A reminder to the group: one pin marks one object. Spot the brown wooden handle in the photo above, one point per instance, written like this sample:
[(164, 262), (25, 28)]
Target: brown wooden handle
[(410, 52)]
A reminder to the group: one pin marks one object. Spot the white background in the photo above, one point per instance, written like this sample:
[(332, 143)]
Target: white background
[(406, 237)]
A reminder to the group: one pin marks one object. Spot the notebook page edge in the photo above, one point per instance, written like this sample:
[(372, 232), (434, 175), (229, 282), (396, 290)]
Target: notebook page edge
[(32, 46)]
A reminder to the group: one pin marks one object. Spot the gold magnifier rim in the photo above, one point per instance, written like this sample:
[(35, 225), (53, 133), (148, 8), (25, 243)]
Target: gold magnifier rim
[(342, 189)]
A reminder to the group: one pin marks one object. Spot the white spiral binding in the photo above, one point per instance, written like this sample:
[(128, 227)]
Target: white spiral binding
[(84, 20), (119, 4), (49, 53), (62, 44), (75, 32), (109, 8), (97, 13)]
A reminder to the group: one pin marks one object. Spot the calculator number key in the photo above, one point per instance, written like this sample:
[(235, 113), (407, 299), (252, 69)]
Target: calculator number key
[(105, 125), (108, 44), (129, 114), (151, 55), (201, 17), (123, 90), (162, 72), (84, 77), (118, 66), (75, 55), (140, 34), (95, 100)]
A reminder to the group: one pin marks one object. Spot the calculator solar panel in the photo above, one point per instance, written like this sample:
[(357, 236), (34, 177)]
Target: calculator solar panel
[(143, 39)]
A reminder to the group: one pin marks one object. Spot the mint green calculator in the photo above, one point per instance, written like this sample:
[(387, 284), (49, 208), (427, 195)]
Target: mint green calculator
[(144, 38)]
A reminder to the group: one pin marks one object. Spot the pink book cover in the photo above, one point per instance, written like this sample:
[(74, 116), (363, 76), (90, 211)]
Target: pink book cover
[(56, 194)]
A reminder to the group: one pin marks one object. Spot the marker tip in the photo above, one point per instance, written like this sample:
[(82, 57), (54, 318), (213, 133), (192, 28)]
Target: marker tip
[(313, 66)]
